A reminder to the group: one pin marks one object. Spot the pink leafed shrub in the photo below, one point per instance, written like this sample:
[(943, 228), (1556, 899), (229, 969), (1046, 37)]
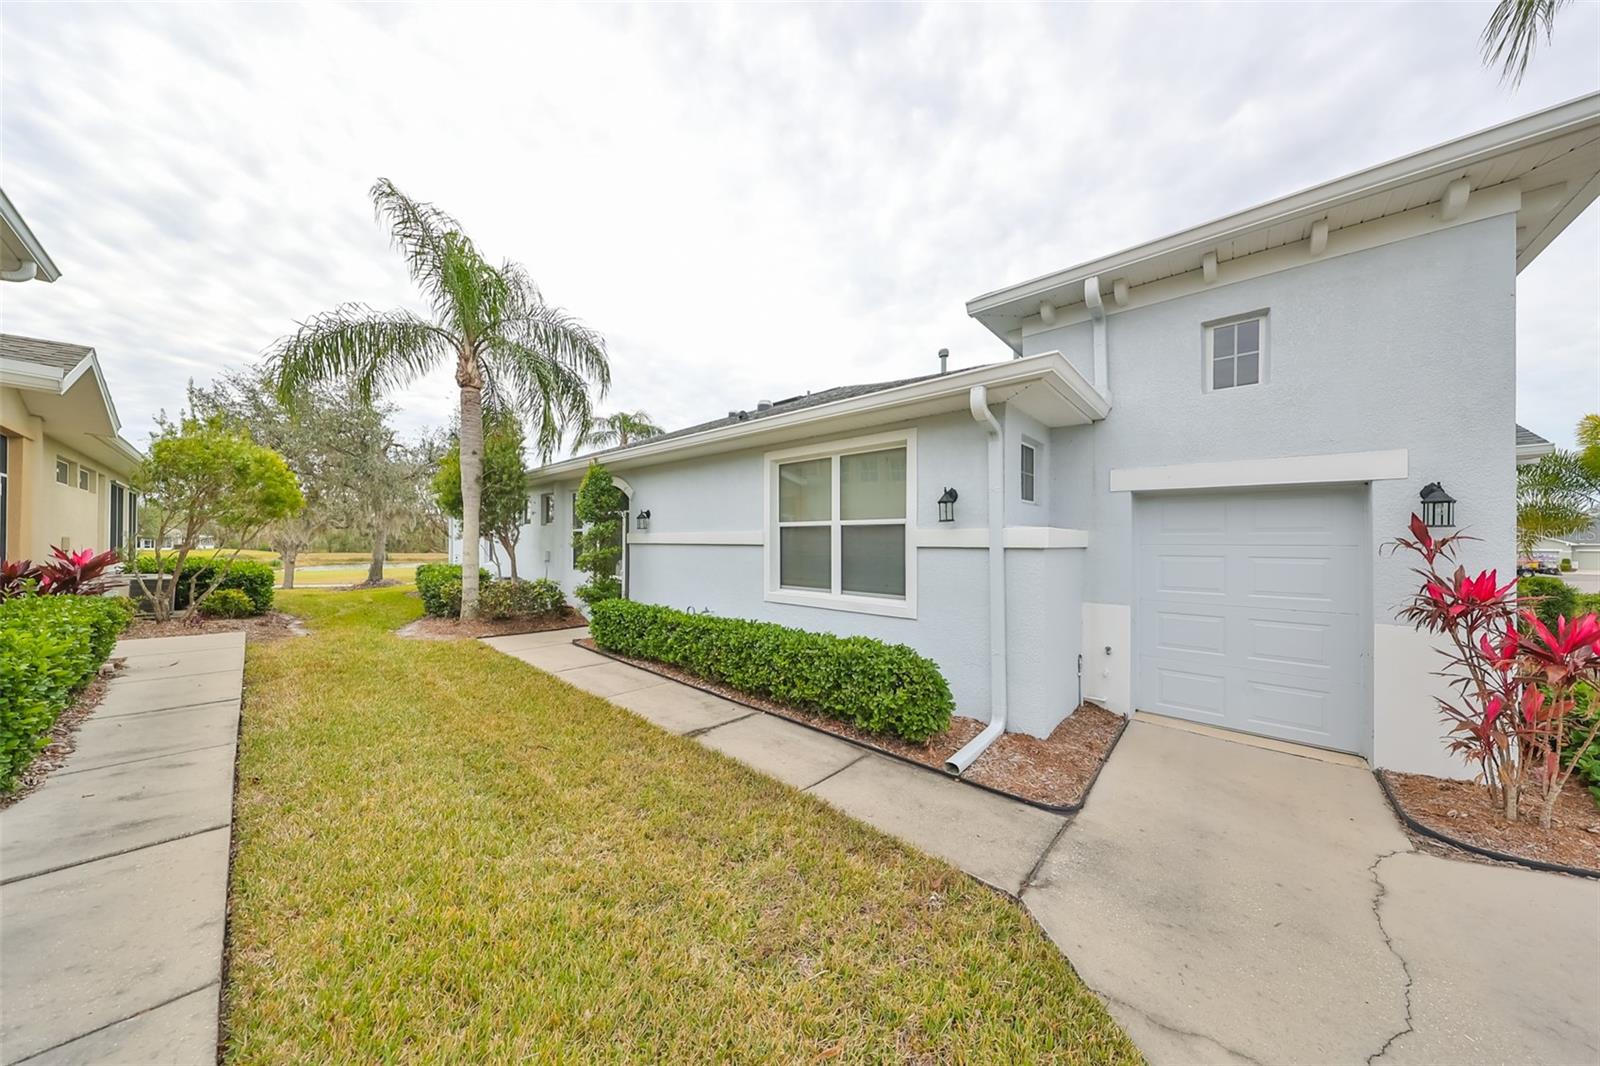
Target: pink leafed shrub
[(79, 573), (1513, 679)]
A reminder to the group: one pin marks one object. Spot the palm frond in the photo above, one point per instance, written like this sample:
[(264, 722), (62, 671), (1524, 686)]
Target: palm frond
[(553, 395), (1556, 497), (425, 235), (1512, 32), (373, 351)]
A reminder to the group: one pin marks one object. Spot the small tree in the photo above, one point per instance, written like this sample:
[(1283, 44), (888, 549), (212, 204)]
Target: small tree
[(200, 474), (503, 507), (599, 542)]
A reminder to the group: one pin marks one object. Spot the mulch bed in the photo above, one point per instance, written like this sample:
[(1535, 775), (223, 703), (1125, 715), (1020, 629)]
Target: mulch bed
[(1054, 772), (63, 737), (274, 625), (1460, 810), (453, 628)]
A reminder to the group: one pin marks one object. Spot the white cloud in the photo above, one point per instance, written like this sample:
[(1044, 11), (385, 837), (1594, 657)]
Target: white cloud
[(748, 201)]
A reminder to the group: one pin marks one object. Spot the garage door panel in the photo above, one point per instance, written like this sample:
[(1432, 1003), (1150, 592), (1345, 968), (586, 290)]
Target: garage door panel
[(1251, 612)]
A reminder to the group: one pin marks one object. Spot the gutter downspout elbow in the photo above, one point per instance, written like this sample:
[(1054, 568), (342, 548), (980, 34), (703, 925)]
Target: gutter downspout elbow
[(978, 405), (25, 272)]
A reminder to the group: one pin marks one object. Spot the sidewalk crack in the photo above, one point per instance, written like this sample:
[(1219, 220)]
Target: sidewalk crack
[(1405, 967), (1192, 1034)]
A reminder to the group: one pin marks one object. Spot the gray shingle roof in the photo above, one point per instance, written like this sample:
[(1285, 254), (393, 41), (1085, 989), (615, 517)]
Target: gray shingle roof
[(1527, 437), (779, 407), (56, 354)]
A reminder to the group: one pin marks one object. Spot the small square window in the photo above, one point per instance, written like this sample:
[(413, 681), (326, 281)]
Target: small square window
[(1236, 353), (63, 472), (1028, 489)]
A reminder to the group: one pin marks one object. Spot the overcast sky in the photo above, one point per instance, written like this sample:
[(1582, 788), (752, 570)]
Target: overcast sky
[(749, 202)]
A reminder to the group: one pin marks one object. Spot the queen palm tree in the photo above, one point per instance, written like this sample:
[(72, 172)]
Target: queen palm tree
[(1559, 495), (1512, 32), (620, 430), (509, 347)]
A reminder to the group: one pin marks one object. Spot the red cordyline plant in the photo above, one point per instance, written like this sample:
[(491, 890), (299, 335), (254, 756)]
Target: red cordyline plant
[(1513, 689), (79, 573)]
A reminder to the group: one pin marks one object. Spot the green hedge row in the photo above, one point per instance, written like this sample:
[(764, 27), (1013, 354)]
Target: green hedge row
[(882, 688), (439, 585), (50, 647), (250, 576)]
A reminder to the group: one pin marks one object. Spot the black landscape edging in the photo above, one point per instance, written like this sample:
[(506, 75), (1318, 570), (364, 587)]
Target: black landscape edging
[(1053, 808), (1488, 853)]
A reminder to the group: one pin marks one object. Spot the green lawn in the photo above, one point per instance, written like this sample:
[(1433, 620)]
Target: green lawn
[(445, 855), (348, 575)]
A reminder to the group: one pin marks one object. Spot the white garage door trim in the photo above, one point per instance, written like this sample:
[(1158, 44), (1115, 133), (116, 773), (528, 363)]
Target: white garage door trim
[(1392, 465), (1253, 611)]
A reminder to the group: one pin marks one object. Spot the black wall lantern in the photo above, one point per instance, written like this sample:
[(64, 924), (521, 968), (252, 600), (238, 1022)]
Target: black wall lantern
[(641, 521), (947, 505), (1438, 506)]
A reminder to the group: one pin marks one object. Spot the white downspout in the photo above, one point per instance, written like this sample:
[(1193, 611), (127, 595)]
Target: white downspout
[(1097, 315), (978, 404)]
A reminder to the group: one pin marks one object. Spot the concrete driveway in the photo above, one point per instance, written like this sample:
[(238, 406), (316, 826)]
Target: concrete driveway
[(1234, 904)]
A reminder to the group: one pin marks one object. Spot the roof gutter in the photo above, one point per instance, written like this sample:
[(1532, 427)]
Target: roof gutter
[(978, 404)]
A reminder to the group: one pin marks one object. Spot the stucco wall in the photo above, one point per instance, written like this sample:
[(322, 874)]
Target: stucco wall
[(1409, 345)]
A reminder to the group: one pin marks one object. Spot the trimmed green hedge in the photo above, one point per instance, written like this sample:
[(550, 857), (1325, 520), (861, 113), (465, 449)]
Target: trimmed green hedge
[(250, 576), (882, 688), (439, 585), (50, 648), (1548, 598)]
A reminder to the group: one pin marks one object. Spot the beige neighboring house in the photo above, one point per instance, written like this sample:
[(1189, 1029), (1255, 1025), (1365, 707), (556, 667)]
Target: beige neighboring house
[(65, 469)]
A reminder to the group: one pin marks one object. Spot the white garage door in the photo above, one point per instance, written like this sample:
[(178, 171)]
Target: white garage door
[(1251, 611)]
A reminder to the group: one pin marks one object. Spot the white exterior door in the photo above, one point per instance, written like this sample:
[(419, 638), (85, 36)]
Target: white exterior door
[(1252, 611)]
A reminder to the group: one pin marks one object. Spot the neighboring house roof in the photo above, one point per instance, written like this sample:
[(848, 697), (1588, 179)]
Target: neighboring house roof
[(1046, 387), (22, 257), (63, 384), (1530, 446), (1549, 160), (1588, 535)]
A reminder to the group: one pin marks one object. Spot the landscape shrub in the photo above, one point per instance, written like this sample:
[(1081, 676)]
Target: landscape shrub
[(1547, 597), (250, 576), (1566, 566), (227, 603), (50, 648), (882, 688), (521, 599), (435, 582)]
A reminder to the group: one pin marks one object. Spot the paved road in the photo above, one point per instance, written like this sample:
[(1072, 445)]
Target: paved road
[(1231, 904), (114, 875)]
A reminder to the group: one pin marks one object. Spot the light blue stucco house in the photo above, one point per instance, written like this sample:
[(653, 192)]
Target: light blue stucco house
[(1170, 489)]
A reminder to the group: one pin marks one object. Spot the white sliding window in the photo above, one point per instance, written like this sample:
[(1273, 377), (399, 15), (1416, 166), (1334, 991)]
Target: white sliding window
[(839, 535)]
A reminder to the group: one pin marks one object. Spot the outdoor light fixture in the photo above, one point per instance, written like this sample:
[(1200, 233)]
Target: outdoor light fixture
[(641, 521), (947, 505), (1438, 506)]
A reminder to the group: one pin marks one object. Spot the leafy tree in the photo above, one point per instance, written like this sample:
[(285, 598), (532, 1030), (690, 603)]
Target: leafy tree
[(1513, 31), (504, 507), (200, 474), (617, 430), (599, 542), (1560, 494), (490, 322)]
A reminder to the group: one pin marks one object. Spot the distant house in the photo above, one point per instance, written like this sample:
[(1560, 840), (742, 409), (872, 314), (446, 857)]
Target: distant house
[(1530, 446), (1170, 491), (64, 468)]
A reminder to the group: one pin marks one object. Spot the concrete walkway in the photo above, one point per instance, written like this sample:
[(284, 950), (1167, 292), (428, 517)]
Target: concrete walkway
[(114, 874), (1230, 904)]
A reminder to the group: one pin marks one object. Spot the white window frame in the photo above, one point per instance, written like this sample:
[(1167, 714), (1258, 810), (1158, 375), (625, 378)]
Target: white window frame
[(837, 599), (1209, 330), (1033, 446), (87, 475), (64, 471)]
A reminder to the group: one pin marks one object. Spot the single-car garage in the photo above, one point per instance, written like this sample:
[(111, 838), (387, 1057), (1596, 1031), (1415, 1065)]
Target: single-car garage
[(1252, 611)]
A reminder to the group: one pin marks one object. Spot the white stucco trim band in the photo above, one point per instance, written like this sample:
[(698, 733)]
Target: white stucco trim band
[(741, 537), (1390, 465), (1014, 537)]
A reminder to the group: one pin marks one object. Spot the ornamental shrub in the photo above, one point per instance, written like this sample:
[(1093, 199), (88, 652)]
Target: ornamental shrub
[(1566, 566), (227, 603), (1547, 597), (252, 577), (521, 599), (50, 648), (882, 688), (599, 507), (434, 584)]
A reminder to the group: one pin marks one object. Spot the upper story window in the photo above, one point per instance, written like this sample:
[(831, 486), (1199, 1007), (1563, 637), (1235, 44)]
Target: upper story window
[(547, 508), (840, 526), (1029, 458), (86, 479), (1236, 353), (63, 471)]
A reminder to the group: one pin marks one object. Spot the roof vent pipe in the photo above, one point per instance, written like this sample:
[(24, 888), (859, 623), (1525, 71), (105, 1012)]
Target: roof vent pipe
[(944, 360), (978, 405), (763, 405)]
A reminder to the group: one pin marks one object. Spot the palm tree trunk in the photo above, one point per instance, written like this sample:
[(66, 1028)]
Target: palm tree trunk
[(471, 495), (380, 553)]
